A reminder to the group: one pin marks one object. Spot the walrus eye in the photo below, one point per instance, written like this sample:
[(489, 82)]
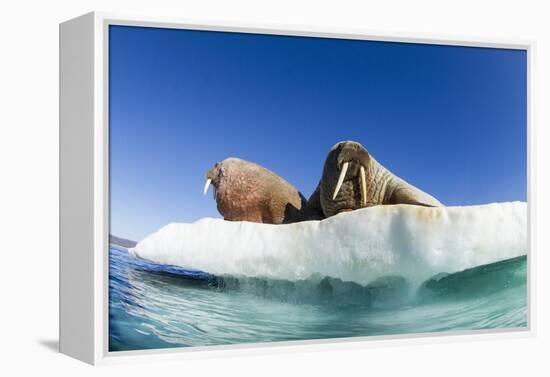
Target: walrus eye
[(340, 179)]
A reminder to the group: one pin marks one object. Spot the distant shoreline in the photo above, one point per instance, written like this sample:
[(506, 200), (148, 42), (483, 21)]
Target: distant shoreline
[(123, 242)]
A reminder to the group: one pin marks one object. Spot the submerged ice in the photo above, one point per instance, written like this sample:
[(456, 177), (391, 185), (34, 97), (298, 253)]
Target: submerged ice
[(360, 246)]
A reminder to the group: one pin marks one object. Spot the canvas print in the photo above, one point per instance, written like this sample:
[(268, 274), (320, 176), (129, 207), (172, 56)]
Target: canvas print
[(268, 188)]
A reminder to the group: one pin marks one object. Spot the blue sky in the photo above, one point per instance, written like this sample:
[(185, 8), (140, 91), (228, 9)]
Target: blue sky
[(450, 120)]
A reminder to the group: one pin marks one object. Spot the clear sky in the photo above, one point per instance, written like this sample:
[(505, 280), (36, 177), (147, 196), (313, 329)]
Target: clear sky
[(450, 120)]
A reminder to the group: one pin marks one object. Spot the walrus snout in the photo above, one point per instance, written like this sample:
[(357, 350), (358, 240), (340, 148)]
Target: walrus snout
[(213, 177), (351, 160)]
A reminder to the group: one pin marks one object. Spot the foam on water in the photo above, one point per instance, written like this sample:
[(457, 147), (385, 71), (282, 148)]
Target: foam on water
[(360, 246)]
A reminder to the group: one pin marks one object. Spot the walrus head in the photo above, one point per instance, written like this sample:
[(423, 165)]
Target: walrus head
[(344, 182), (214, 177)]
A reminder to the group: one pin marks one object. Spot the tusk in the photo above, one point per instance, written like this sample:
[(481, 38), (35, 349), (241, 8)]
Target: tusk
[(363, 186), (206, 185), (340, 179)]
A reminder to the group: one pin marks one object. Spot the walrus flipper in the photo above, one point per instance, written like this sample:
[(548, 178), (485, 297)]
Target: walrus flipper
[(314, 208), (413, 196)]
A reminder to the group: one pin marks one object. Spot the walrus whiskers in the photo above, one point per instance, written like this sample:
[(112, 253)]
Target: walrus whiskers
[(340, 179)]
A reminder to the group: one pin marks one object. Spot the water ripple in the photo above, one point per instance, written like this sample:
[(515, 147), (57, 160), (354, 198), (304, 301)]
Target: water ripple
[(156, 306)]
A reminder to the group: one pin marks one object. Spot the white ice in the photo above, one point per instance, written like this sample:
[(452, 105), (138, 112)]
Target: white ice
[(360, 246)]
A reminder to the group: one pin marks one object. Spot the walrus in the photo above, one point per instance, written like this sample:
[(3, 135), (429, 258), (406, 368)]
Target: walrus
[(353, 179), (245, 191)]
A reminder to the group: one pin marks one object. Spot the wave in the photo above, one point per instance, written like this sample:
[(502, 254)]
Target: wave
[(361, 246)]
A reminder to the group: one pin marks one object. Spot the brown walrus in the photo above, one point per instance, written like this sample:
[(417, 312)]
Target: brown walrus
[(245, 191), (353, 179)]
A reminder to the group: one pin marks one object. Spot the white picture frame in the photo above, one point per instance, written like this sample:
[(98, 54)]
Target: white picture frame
[(84, 200)]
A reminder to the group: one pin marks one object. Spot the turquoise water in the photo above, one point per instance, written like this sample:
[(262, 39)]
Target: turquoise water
[(157, 306)]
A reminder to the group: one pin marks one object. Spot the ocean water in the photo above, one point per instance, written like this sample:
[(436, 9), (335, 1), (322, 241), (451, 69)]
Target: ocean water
[(159, 306)]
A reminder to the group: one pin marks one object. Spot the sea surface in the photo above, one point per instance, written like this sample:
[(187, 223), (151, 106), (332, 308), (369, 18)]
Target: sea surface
[(158, 306)]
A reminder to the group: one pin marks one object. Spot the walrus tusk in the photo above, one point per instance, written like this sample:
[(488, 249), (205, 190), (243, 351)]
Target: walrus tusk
[(340, 179), (206, 185), (363, 186)]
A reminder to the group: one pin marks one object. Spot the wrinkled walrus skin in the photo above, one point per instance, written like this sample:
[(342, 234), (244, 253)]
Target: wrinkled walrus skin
[(245, 191), (363, 183)]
